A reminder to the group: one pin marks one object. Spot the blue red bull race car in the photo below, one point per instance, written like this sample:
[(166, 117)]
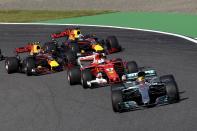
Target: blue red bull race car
[(35, 62), (86, 44)]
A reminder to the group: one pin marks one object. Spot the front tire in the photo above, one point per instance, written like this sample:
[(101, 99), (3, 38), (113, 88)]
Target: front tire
[(172, 91), (132, 67), (29, 65), (86, 76), (74, 75), (116, 97)]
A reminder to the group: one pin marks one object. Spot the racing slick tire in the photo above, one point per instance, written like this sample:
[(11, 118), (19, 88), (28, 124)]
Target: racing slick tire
[(116, 97), (172, 92), (50, 47), (29, 65), (74, 76), (11, 65), (167, 78), (132, 67), (85, 77), (112, 43)]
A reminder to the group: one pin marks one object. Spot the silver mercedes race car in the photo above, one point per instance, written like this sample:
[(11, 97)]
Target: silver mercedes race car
[(144, 89)]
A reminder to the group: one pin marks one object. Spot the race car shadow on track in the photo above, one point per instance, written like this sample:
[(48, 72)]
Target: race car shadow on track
[(41, 74), (1, 56), (182, 98), (91, 88), (96, 87)]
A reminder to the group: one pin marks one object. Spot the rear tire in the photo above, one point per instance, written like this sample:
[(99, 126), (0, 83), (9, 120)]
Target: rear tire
[(74, 76), (132, 67), (112, 42), (116, 97), (12, 65), (85, 77)]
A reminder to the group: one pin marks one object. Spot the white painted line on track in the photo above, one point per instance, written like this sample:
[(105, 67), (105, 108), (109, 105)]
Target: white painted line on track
[(107, 26)]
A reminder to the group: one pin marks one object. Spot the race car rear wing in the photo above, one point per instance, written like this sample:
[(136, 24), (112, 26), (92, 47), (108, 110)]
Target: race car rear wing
[(65, 33), (24, 49), (30, 47), (60, 34)]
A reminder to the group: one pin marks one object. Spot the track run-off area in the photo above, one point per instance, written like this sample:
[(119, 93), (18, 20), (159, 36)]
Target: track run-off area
[(49, 103)]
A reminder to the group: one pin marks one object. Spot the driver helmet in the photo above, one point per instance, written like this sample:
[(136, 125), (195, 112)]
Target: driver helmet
[(36, 48), (141, 77), (100, 58), (99, 75), (75, 34)]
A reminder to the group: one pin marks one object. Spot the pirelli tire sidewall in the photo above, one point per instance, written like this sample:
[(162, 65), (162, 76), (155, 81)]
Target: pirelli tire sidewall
[(30, 64), (11, 65), (112, 42)]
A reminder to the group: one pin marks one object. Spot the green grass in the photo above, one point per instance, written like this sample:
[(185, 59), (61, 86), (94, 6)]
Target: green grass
[(33, 16), (168, 22)]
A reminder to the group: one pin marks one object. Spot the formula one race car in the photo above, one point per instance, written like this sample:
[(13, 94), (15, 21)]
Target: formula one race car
[(144, 89), (100, 72), (85, 45), (35, 63)]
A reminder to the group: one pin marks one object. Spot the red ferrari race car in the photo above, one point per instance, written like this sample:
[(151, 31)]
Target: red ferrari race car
[(35, 63), (86, 44), (100, 72)]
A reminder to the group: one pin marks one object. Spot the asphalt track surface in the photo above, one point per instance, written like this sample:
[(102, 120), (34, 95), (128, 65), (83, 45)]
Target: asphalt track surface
[(48, 103)]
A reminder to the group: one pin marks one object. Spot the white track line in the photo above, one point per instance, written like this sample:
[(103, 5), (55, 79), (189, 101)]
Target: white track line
[(167, 33)]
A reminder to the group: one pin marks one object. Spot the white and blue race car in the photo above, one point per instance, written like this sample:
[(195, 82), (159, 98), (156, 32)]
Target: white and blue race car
[(144, 89)]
